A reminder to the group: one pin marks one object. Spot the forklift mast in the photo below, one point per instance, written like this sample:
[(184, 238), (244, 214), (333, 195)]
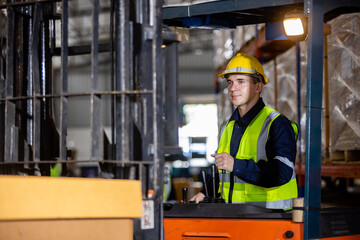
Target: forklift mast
[(45, 42)]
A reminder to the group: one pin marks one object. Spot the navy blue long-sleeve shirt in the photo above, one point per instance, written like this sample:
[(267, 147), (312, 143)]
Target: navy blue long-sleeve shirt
[(280, 151)]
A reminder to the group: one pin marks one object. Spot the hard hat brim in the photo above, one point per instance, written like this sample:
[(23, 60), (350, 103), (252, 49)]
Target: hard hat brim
[(263, 78)]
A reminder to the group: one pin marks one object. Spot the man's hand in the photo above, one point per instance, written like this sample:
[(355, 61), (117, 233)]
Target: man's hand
[(198, 197), (224, 161)]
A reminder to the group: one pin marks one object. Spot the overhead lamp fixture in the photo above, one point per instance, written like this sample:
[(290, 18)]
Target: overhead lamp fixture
[(295, 25)]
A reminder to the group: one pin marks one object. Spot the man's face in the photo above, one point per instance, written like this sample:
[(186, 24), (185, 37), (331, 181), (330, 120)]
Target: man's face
[(242, 90)]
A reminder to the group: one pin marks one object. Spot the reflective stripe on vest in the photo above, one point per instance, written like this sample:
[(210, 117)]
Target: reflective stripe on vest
[(252, 146), (281, 204)]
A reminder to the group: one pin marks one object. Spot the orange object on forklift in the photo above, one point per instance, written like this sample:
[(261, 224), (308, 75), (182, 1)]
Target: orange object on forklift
[(240, 229)]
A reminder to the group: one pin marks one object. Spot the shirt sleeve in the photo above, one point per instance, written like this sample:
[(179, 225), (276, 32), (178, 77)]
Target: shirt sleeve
[(281, 153)]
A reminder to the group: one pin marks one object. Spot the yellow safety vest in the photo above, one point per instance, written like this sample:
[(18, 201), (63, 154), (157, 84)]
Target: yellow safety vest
[(252, 146)]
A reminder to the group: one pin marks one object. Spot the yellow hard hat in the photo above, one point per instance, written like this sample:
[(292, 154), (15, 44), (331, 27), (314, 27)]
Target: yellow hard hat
[(244, 63)]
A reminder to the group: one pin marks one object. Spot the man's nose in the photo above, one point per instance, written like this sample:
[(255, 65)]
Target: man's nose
[(234, 86)]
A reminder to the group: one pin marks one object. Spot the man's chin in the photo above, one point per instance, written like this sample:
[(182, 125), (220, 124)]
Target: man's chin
[(236, 102)]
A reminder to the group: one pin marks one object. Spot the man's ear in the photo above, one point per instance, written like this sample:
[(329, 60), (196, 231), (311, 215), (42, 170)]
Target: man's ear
[(259, 87)]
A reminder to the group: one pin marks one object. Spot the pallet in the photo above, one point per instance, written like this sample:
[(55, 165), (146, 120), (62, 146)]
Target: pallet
[(339, 157), (345, 156)]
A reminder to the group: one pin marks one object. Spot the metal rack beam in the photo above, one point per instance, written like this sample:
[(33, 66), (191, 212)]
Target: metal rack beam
[(335, 170), (232, 13)]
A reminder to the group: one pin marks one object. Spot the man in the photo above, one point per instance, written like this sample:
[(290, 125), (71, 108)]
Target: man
[(257, 148)]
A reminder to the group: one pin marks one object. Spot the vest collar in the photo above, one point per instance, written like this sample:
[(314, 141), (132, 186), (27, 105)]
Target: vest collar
[(250, 115)]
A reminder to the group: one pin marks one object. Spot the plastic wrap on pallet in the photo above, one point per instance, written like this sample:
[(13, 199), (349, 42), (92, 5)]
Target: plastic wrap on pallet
[(245, 33), (225, 107), (228, 42), (223, 45), (268, 93), (344, 78), (286, 76)]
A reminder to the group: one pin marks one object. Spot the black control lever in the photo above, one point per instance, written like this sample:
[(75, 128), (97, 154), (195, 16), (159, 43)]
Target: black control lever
[(203, 174), (213, 169), (222, 182), (184, 192), (214, 199)]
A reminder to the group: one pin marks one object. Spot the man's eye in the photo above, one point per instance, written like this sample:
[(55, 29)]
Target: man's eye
[(228, 82)]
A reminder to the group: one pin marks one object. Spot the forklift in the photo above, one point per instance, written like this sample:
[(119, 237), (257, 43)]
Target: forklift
[(217, 220)]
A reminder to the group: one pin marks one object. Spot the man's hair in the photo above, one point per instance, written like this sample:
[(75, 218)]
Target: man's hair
[(255, 78)]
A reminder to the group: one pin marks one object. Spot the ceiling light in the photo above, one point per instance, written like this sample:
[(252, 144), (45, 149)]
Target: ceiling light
[(295, 25)]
